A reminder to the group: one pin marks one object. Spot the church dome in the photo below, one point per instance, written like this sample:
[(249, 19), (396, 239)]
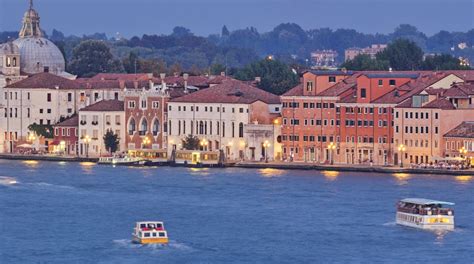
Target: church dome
[(38, 54)]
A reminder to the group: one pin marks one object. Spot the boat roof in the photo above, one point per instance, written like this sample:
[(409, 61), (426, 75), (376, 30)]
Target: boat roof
[(424, 201)]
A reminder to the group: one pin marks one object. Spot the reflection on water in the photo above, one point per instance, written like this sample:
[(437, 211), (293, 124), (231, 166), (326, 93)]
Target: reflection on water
[(269, 172), (199, 171), (464, 179), (402, 178), (87, 167), (331, 175), (31, 163), (6, 181)]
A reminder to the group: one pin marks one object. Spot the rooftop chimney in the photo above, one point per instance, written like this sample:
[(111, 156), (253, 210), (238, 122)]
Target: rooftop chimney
[(185, 77), (163, 83), (223, 74), (258, 79)]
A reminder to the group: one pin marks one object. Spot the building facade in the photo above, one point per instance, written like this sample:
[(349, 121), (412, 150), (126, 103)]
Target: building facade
[(66, 137), (94, 122), (221, 115)]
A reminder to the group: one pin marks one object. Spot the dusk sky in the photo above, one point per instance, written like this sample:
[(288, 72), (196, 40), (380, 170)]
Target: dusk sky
[(203, 17)]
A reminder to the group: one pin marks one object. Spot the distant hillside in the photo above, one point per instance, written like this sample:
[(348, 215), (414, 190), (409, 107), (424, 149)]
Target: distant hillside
[(287, 42)]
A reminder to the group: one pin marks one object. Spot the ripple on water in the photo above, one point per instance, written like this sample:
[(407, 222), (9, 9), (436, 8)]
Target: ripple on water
[(174, 245)]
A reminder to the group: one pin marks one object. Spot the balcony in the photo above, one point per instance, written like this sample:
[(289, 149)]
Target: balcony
[(141, 133), (83, 122), (95, 123)]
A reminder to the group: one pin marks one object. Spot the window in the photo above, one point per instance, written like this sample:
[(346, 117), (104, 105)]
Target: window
[(131, 126), (41, 110), (332, 79), (392, 82), (131, 104), (380, 82), (241, 110), (155, 104), (363, 93), (48, 110), (309, 86), (143, 103), (48, 97), (69, 97)]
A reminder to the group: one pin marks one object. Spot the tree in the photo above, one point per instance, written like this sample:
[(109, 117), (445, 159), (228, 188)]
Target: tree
[(225, 32), (442, 62), (111, 141), (191, 142), (402, 54), (276, 77), (363, 62), (91, 57), (181, 32), (42, 130), (217, 68)]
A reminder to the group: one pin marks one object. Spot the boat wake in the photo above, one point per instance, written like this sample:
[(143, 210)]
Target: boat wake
[(8, 181), (44, 185), (174, 245), (390, 224)]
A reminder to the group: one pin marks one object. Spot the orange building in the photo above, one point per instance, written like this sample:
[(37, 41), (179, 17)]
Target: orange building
[(345, 117)]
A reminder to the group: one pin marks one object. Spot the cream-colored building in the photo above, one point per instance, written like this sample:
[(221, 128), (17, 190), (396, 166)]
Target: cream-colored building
[(422, 120), (94, 121), (233, 116)]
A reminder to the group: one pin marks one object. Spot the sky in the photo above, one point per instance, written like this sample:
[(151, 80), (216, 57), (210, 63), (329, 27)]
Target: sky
[(204, 17)]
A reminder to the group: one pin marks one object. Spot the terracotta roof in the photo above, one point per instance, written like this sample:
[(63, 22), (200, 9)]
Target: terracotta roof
[(230, 91), (413, 75), (464, 130), (105, 106), (440, 103), (350, 98), (72, 121), (45, 80), (121, 76), (466, 75), (295, 91), (330, 72), (341, 86)]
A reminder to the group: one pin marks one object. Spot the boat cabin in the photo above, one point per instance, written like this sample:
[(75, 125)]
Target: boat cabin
[(422, 206)]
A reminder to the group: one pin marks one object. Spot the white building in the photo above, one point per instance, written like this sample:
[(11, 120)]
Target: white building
[(224, 117), (95, 120)]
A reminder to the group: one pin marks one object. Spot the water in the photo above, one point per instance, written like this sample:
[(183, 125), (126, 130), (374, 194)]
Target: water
[(53, 212)]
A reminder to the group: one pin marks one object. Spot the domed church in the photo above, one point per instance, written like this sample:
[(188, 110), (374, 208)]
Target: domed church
[(31, 52)]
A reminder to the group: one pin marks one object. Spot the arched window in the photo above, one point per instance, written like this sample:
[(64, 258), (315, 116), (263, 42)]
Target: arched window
[(241, 130), (14, 61), (131, 126), (143, 127), (156, 127)]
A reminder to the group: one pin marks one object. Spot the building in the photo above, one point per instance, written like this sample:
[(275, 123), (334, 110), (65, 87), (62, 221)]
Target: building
[(66, 136), (348, 118), (422, 120), (324, 58), (232, 116), (94, 122), (459, 142), (351, 53)]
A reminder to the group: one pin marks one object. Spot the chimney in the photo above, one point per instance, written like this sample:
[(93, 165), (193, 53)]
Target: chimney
[(122, 84), (135, 84), (185, 77), (258, 79), (390, 69), (163, 83), (223, 74), (176, 74)]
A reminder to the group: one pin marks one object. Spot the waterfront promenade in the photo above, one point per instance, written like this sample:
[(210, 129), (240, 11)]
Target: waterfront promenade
[(276, 165)]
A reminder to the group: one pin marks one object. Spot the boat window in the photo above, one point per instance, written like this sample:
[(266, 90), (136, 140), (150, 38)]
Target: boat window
[(154, 234), (147, 234), (142, 225), (162, 234), (159, 225)]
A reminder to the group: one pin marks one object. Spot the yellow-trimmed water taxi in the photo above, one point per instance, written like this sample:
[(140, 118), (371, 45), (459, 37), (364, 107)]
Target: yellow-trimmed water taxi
[(149, 232), (425, 214)]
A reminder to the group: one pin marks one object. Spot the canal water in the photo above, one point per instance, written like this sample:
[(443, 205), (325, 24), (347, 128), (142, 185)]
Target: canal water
[(56, 212)]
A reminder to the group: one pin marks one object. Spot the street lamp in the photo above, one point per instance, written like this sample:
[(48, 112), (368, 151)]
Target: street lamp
[(87, 140), (401, 148), (332, 147), (266, 145), (463, 152), (146, 141), (204, 144)]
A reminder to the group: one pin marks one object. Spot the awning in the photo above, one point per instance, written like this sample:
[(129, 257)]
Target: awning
[(24, 146)]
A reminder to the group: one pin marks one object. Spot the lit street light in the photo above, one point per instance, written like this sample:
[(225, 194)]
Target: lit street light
[(463, 152), (401, 149), (332, 147), (146, 141), (87, 140), (266, 145)]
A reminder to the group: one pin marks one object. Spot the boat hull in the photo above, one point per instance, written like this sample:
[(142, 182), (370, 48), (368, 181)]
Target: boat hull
[(154, 240), (429, 222)]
